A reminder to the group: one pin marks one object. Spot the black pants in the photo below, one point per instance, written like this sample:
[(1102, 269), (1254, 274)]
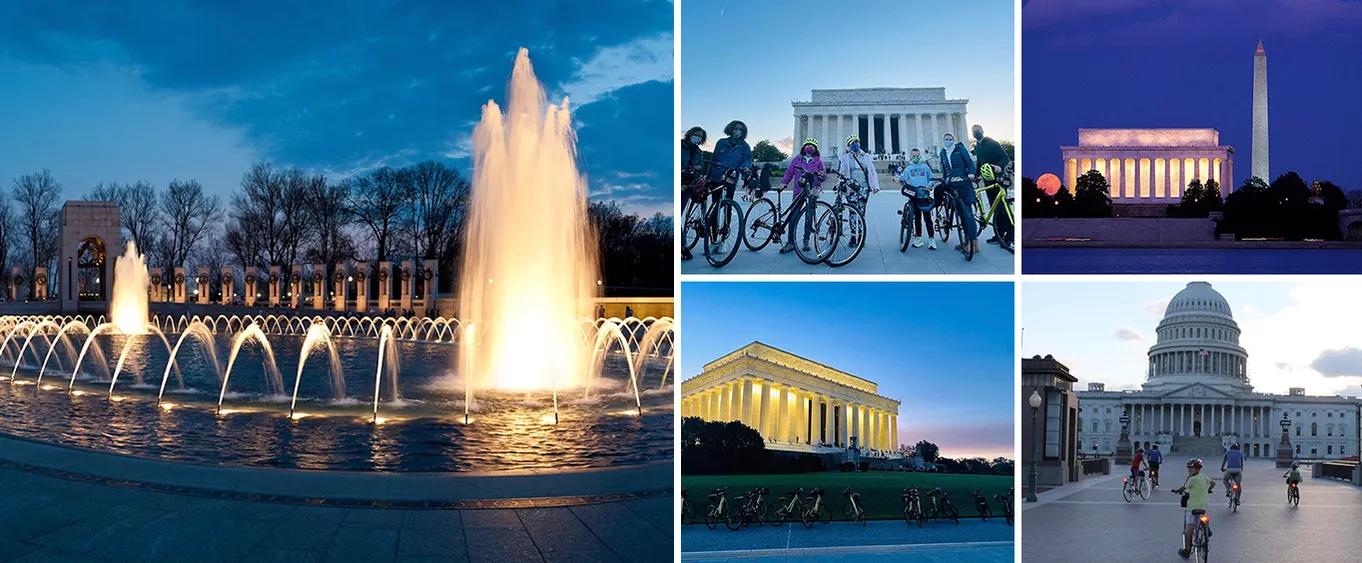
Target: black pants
[(1002, 222), (714, 198), (918, 216), (803, 204)]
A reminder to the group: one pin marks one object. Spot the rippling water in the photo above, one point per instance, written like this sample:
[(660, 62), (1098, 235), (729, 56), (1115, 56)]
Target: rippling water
[(423, 431), (1190, 261)]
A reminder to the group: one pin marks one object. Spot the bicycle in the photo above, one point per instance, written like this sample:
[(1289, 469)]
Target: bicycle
[(1235, 489), (1002, 202), (1201, 534), (817, 511), (1154, 476), (910, 213), (752, 510), (1007, 504), (955, 220), (942, 508), (715, 223), (789, 509), (687, 510), (845, 218), (718, 510), (851, 509), (981, 505), (767, 222), (943, 214), (1293, 494), (912, 507), (1138, 487)]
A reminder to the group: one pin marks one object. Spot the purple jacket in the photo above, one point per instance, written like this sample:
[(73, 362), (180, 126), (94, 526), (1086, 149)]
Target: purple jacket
[(797, 169)]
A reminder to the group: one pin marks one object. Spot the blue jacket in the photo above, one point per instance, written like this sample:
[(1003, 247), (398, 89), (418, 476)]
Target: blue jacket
[(957, 163), (730, 154)]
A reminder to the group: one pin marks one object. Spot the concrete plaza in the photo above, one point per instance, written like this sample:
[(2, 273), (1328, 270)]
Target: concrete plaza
[(971, 541), (1090, 521)]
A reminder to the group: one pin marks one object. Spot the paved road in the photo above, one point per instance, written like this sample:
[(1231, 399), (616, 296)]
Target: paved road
[(991, 552), (880, 256), (49, 519), (1089, 521)]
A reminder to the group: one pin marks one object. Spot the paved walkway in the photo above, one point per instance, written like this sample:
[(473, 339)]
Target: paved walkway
[(880, 256), (1090, 521), (993, 552), (971, 541)]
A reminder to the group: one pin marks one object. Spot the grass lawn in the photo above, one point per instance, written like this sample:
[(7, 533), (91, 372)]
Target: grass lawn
[(881, 491)]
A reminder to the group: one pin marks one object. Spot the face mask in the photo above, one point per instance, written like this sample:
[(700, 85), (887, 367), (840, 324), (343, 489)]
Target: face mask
[(917, 159), (695, 140), (737, 133), (948, 144), (808, 151), (855, 147), (978, 135)]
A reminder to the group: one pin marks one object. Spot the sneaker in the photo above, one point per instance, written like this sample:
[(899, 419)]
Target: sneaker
[(853, 240), (931, 243), (806, 246), (685, 254), (1184, 554), (787, 248), (917, 242), (992, 240), (976, 247)]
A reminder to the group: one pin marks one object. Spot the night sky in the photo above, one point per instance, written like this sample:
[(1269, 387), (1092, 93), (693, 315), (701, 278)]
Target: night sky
[(1189, 63)]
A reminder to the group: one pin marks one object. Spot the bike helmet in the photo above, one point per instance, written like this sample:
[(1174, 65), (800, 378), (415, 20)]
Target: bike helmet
[(728, 130), (853, 139), (924, 199), (811, 141), (1234, 446), (1194, 462), (938, 490), (1139, 451), (1295, 465), (1154, 447), (986, 172)]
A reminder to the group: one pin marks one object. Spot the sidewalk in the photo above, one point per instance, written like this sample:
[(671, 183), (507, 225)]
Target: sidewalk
[(991, 552)]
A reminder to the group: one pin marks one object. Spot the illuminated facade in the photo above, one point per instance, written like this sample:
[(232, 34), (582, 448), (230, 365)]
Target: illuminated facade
[(1259, 165), (1150, 166), (888, 120), (795, 403)]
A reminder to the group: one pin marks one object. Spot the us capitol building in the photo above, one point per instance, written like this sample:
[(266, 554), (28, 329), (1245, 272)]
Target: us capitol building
[(1198, 400)]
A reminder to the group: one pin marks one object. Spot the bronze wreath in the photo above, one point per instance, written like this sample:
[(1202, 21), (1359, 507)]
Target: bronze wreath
[(226, 279), (359, 276), (203, 280), (274, 278), (429, 274), (179, 279), (383, 275), (406, 274), (250, 279), (297, 277), (317, 277), (339, 277), (40, 279), (156, 279)]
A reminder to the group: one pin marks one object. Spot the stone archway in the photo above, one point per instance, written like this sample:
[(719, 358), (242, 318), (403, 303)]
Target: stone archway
[(89, 243), (90, 259)]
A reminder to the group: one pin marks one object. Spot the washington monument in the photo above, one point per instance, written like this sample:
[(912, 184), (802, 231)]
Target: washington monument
[(1259, 166)]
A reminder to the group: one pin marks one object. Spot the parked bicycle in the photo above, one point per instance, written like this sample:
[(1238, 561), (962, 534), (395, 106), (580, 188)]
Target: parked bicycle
[(1137, 487), (1006, 501), (687, 510), (719, 511), (912, 507), (843, 226), (991, 177), (941, 507), (720, 226), (789, 508), (767, 222), (817, 510), (752, 510), (981, 505), (915, 208), (852, 509)]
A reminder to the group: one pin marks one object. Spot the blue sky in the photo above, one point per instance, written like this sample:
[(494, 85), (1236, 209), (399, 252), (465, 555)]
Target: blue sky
[(1296, 334), (944, 349), (749, 60), (1189, 63), (129, 90)]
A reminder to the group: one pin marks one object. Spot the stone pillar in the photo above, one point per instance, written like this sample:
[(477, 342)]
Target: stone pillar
[(870, 132), (745, 403), (725, 399), (361, 287), (40, 282), (802, 420), (157, 289), (338, 283), (763, 412), (274, 284), (228, 282), (201, 288), (251, 281), (796, 131), (407, 285), (318, 286), (177, 289), (917, 128), (431, 274), (295, 285), (903, 135), (385, 269), (894, 432), (936, 131)]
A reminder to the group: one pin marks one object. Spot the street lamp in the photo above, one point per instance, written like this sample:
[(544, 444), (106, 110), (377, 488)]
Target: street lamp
[(1035, 444), (1285, 453)]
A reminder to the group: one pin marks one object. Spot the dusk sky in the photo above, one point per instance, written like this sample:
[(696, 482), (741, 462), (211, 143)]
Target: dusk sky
[(1295, 333), (1189, 63), (142, 90), (748, 60), (945, 350)]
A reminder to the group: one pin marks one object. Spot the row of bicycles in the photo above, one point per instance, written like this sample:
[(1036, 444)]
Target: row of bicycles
[(751, 508), (833, 233)]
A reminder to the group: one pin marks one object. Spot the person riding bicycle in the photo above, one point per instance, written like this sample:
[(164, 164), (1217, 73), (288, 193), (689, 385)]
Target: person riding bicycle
[(1197, 490), (1233, 467), (918, 176), (1293, 477), (809, 161), (989, 151), (731, 156), (1155, 459), (1136, 465), (957, 171), (692, 161)]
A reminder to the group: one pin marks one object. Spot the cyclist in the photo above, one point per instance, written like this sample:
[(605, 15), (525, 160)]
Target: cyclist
[(1136, 465), (957, 171), (692, 160), (1233, 467), (1197, 489), (732, 154), (1155, 458), (808, 161), (919, 177), (990, 151), (1293, 477)]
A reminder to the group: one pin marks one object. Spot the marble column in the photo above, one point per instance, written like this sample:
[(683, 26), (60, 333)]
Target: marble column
[(725, 398), (823, 141), (796, 130), (903, 134), (917, 129), (763, 415), (870, 134), (747, 404), (936, 131)]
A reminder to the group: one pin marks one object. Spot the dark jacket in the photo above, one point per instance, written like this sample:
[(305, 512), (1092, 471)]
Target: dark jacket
[(691, 155), (956, 163), (989, 151)]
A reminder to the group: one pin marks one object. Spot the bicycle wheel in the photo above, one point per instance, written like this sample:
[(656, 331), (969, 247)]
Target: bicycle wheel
[(825, 514), (714, 517), (778, 519), (687, 514), (761, 224), (848, 512), (821, 241), (949, 511), (763, 514), (690, 228), (1295, 496), (1005, 240), (917, 515), (808, 517), (966, 247), (1127, 491), (906, 227), (1200, 544), (1007, 515), (1145, 489), (736, 521), (945, 220), (724, 225), (851, 233), (908, 515), (984, 514)]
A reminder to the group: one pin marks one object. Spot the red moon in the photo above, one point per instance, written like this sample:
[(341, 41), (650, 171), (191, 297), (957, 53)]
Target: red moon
[(1049, 183)]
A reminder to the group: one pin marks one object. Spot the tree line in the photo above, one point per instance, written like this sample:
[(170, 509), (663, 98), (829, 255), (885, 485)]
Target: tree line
[(284, 216)]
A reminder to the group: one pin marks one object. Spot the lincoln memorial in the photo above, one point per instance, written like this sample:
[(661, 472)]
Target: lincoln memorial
[(795, 403), (888, 120), (1150, 165)]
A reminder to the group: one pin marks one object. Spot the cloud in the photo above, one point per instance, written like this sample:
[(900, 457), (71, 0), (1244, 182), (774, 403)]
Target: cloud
[(1343, 362), (1156, 309), (786, 145), (645, 59), (1128, 334), (1077, 24)]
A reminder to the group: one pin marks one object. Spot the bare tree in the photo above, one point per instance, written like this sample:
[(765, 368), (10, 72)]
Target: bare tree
[(1354, 199), (6, 235), (268, 222), (138, 212), (327, 214), (438, 203), (189, 214), (378, 199), (37, 196)]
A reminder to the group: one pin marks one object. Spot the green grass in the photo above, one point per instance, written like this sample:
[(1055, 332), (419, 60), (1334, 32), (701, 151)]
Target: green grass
[(881, 492)]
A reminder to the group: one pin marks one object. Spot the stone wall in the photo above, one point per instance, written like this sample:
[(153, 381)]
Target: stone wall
[(1118, 232)]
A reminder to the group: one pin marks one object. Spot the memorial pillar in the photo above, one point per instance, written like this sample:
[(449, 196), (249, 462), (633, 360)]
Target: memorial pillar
[(157, 290), (936, 132), (917, 128), (874, 127), (177, 290), (201, 288), (318, 286), (250, 285), (361, 287), (385, 269), (295, 285), (796, 131), (39, 284), (430, 275), (745, 407), (338, 288), (903, 135), (407, 285), (823, 140), (227, 285), (275, 285)]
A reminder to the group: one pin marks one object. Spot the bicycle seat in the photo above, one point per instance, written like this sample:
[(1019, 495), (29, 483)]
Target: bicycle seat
[(796, 491), (1198, 511), (846, 492), (763, 491)]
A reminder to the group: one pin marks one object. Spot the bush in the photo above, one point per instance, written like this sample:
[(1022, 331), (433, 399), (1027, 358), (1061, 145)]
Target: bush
[(846, 467)]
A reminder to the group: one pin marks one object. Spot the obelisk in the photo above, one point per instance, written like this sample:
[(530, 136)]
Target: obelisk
[(1260, 167)]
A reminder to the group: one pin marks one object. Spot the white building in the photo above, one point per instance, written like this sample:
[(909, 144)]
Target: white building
[(1197, 399), (889, 121), (1150, 166)]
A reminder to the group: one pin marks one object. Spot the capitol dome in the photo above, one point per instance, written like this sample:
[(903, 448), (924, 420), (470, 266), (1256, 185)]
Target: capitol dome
[(1198, 342)]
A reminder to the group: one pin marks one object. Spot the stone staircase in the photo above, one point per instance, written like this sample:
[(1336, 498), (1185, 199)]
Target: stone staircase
[(1202, 447)]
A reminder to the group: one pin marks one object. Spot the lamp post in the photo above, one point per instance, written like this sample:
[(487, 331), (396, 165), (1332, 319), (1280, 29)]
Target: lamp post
[(1285, 454), (1035, 444), (1123, 450)]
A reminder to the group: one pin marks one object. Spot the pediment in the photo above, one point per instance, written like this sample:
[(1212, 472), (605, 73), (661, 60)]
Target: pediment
[(1196, 391)]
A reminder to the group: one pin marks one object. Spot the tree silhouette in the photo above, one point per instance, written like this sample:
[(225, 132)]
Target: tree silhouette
[(929, 451), (764, 151), (1093, 195)]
